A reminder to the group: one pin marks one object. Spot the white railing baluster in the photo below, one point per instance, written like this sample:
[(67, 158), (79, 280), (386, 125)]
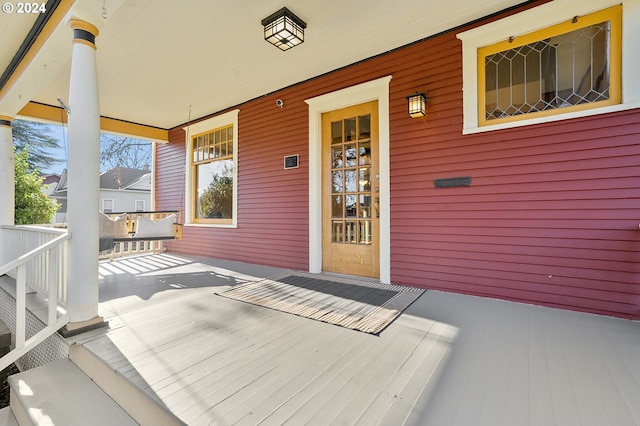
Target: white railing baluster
[(21, 306), (53, 286), (37, 259)]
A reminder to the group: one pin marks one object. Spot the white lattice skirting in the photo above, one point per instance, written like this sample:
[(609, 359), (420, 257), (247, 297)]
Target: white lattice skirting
[(53, 348)]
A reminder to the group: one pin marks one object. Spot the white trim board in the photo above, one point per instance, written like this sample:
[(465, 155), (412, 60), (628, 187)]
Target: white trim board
[(370, 91), (190, 130)]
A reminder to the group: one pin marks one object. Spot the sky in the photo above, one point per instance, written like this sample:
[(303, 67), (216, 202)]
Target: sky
[(60, 134)]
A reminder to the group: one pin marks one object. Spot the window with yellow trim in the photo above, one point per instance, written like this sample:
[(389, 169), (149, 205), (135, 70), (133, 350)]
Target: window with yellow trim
[(567, 67), (213, 165)]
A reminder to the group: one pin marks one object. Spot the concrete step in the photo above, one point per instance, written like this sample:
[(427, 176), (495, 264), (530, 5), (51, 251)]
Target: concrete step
[(59, 393), (7, 418)]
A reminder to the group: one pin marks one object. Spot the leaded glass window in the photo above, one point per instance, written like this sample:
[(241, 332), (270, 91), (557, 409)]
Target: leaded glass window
[(570, 65)]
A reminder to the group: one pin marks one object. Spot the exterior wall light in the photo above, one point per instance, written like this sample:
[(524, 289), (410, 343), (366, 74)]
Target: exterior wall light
[(284, 29), (417, 105)]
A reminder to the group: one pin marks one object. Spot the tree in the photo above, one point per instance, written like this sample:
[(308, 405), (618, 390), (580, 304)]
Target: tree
[(32, 206), (122, 151), (217, 200), (37, 139)]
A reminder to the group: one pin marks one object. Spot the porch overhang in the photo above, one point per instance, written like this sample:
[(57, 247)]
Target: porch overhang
[(162, 63)]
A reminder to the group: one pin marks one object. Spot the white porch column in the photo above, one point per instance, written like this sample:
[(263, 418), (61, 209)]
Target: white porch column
[(7, 178), (83, 195)]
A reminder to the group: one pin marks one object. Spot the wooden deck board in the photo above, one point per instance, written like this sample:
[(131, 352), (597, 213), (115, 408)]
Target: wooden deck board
[(582, 380), (365, 374), (516, 407), (447, 360), (395, 402), (280, 400), (261, 362), (282, 369), (609, 371)]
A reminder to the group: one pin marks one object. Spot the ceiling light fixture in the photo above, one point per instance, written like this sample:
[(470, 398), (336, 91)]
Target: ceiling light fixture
[(284, 29)]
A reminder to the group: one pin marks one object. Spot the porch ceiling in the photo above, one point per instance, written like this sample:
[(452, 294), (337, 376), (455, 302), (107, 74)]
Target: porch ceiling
[(159, 58)]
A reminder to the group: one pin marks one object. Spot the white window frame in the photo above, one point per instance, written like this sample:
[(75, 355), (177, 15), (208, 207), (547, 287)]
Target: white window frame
[(536, 19), (135, 205), (225, 119), (374, 90), (113, 205)]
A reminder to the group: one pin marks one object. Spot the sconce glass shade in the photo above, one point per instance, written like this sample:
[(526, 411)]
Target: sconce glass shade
[(284, 29), (417, 105)]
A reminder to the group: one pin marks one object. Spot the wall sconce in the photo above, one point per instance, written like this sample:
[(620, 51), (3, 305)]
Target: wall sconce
[(284, 29), (417, 105)]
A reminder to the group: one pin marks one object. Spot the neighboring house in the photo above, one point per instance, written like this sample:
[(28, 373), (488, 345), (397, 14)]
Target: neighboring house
[(59, 194), (125, 190), (49, 183), (121, 189)]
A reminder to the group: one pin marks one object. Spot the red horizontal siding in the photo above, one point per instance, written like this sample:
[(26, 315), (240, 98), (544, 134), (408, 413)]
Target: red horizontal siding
[(551, 216), (272, 202)]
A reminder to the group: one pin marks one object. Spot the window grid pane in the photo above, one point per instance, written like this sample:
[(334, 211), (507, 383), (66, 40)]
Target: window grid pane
[(561, 71), (213, 167), (351, 181), (217, 144)]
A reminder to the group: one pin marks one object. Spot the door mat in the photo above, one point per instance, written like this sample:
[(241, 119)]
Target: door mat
[(359, 305)]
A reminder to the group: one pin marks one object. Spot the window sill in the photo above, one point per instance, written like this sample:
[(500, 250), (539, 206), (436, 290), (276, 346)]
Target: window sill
[(551, 118), (211, 225)]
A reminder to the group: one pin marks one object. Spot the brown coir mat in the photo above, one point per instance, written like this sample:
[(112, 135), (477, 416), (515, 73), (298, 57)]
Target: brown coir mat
[(359, 305)]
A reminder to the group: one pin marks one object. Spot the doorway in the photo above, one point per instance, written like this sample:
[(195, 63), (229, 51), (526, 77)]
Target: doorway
[(351, 191)]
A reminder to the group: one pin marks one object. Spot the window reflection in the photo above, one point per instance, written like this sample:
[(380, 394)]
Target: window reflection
[(215, 190), (351, 180), (213, 170)]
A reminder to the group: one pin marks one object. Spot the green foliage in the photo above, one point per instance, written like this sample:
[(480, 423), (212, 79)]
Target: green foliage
[(35, 138), (32, 206), (216, 200)]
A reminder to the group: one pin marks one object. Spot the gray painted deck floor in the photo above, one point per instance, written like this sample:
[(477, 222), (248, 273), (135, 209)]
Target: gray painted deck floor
[(447, 360)]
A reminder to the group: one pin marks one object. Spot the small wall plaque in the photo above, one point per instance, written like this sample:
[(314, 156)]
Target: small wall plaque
[(452, 182), (291, 161)]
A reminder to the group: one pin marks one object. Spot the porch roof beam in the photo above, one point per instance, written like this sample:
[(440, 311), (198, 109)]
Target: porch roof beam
[(52, 114)]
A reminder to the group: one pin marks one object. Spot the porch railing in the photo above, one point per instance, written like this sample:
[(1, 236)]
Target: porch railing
[(38, 259)]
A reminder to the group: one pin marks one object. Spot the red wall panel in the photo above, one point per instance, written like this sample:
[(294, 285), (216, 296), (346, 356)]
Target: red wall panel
[(551, 216)]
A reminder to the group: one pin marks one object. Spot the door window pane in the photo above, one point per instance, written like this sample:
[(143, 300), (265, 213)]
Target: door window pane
[(351, 181), (364, 151), (365, 206), (337, 203), (364, 182), (351, 208), (336, 132), (365, 232), (337, 232), (365, 126), (350, 155), (350, 235), (336, 181), (350, 129), (336, 155)]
